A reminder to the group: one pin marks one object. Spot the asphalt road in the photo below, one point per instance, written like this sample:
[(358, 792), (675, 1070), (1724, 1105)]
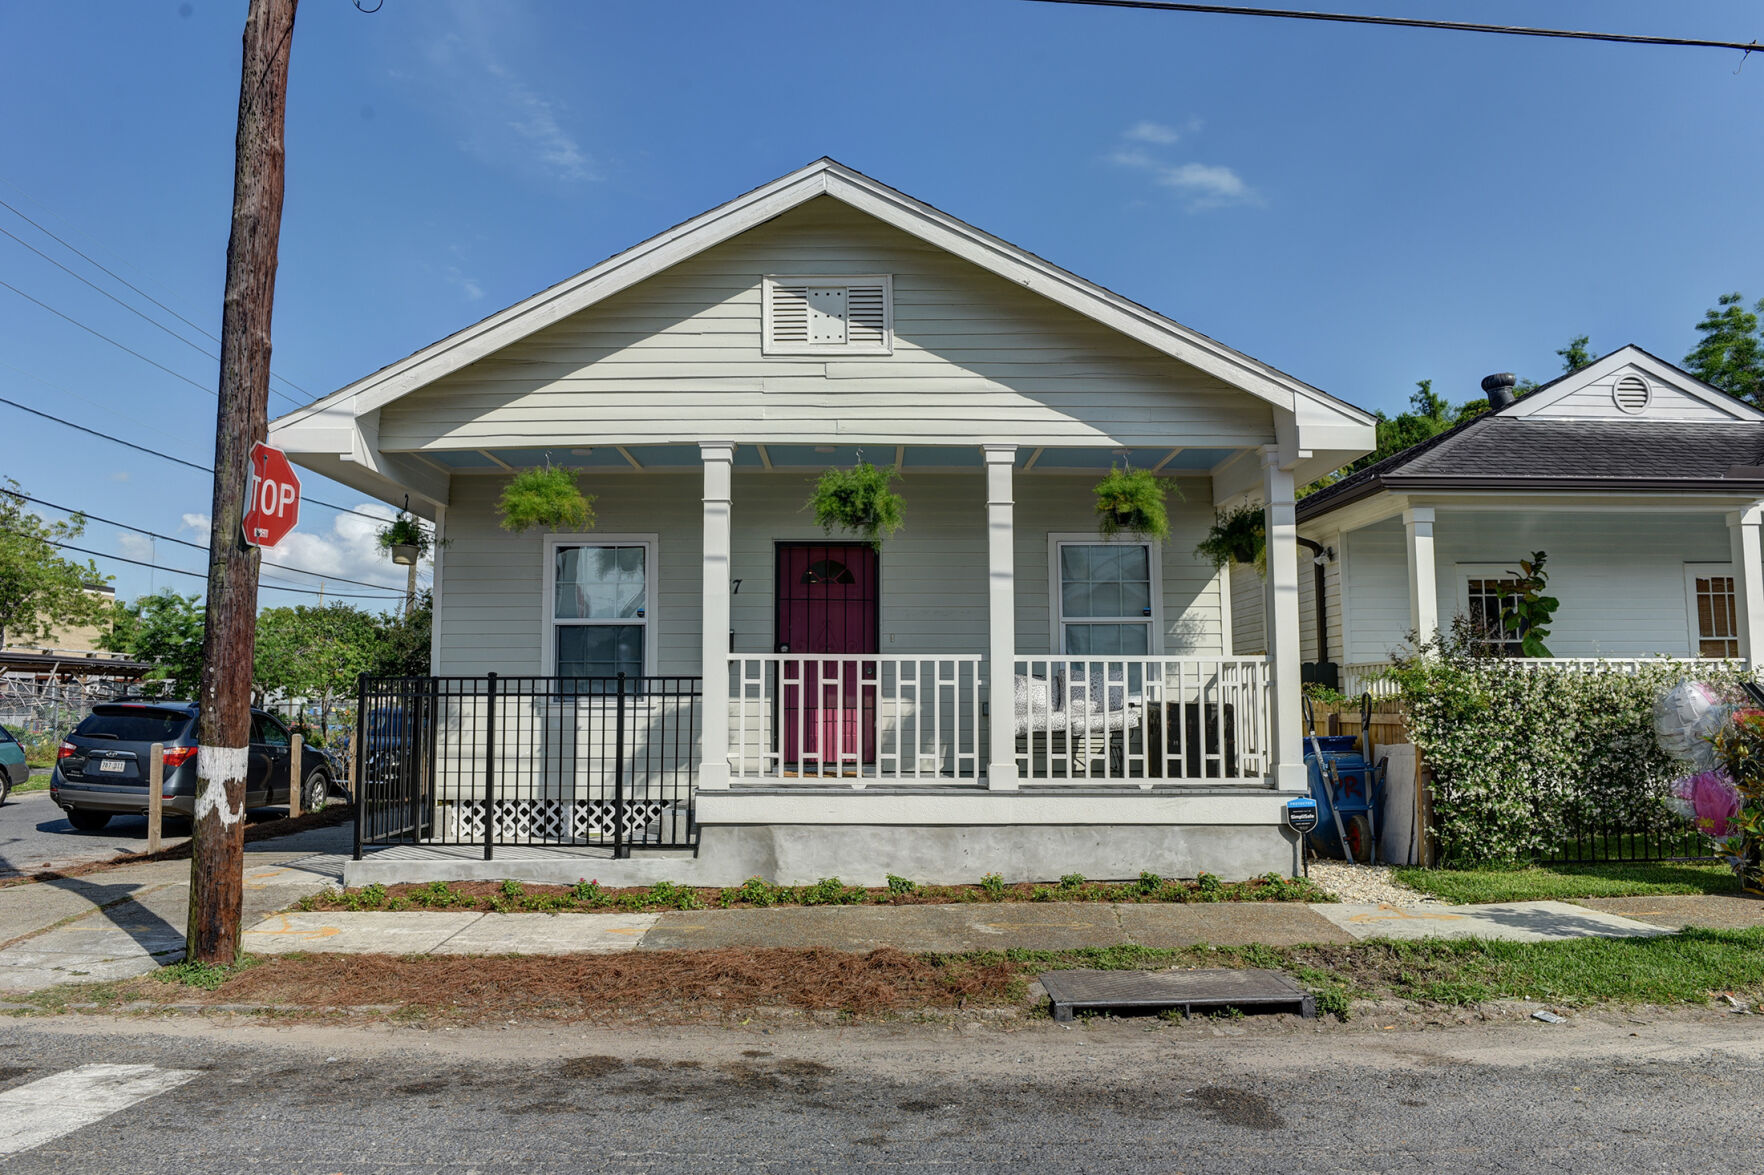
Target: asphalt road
[(34, 834), (1129, 1096)]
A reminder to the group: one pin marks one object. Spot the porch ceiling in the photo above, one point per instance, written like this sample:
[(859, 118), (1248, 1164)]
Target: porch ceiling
[(676, 458)]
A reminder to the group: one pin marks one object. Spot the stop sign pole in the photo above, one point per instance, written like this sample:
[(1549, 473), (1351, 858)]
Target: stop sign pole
[(223, 728)]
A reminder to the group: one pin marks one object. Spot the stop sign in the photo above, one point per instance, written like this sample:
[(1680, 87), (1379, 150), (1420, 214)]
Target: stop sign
[(272, 506)]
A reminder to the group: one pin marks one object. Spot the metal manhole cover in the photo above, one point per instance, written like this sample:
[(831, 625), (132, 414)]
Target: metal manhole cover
[(1204, 989)]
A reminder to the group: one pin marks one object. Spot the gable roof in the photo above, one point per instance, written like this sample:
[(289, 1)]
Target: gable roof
[(825, 177), (1515, 448)]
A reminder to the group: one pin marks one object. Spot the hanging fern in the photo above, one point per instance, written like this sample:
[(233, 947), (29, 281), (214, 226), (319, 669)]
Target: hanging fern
[(858, 500), (1132, 500), (1236, 537), (545, 497), (406, 531)]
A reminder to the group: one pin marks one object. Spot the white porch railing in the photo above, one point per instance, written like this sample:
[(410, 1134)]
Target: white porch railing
[(1362, 677), (1141, 719), (855, 718)]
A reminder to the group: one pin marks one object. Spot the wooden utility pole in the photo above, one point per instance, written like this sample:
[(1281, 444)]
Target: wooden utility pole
[(217, 859)]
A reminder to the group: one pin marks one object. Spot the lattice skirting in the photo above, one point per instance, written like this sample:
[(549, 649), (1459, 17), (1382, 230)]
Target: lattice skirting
[(561, 821)]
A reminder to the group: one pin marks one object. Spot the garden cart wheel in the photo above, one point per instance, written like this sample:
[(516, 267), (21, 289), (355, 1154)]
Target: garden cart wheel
[(1357, 839)]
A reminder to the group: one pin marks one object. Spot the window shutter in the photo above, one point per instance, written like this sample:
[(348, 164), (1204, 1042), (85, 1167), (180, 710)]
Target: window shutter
[(867, 316), (790, 315)]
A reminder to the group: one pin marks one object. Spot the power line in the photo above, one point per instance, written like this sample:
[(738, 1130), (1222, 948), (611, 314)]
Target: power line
[(1457, 26), (94, 262), (203, 547), (168, 457), (203, 575)]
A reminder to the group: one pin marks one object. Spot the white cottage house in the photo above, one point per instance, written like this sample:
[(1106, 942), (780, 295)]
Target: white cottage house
[(1642, 485), (994, 689)]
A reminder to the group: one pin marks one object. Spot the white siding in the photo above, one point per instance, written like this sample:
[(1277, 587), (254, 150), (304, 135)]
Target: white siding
[(933, 571), (1619, 576), (1249, 635), (1594, 402), (678, 358)]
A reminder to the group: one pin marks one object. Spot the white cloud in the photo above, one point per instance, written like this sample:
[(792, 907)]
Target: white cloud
[(135, 546), (1200, 185), (1153, 132), (329, 547)]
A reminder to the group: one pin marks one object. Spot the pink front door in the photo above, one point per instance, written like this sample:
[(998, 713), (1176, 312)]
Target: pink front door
[(827, 604)]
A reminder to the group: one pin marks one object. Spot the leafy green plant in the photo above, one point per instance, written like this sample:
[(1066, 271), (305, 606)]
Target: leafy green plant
[(1149, 882), (1237, 536), (1132, 500), (1071, 881), (589, 893), (406, 531), (513, 889), (993, 886), (675, 897), (858, 500), (1525, 611), (901, 887), (547, 498)]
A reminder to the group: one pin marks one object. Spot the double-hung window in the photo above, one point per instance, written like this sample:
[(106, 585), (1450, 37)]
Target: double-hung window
[(1106, 599), (601, 607)]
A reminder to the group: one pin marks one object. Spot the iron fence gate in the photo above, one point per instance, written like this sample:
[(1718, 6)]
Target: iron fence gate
[(492, 760)]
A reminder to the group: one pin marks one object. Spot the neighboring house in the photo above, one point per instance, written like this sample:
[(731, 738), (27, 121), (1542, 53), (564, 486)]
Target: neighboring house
[(1641, 484), (996, 689)]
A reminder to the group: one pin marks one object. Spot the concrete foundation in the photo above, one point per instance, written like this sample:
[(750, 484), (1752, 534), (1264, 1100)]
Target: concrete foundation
[(799, 854)]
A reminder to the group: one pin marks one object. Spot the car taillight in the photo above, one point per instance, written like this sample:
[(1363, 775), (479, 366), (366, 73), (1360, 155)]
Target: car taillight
[(64, 750), (178, 756)]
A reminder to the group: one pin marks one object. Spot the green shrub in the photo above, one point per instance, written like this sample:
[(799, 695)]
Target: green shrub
[(994, 887), (589, 893), (1072, 881), (1150, 882), (901, 887), (1522, 756), (858, 500), (675, 897)]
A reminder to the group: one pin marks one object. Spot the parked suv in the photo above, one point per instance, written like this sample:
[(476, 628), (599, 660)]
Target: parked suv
[(102, 768), (13, 770)]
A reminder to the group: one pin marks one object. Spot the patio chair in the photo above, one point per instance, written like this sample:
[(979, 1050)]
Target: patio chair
[(1088, 713)]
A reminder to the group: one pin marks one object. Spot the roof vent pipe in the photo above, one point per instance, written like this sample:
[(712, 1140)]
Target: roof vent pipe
[(1499, 389)]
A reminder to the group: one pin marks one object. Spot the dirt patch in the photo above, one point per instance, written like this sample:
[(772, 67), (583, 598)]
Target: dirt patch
[(1237, 1107), (601, 986), (327, 817)]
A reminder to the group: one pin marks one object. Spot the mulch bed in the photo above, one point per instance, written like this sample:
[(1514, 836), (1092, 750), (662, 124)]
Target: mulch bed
[(591, 986)]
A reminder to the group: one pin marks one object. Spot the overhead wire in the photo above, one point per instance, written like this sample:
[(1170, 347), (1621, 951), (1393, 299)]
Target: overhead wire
[(203, 547), (202, 575), (1458, 26), (95, 263), (208, 469)]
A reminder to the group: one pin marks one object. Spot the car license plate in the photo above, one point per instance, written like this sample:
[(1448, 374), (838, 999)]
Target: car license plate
[(112, 766)]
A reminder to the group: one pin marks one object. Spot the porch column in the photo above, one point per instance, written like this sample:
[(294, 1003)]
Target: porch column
[(1748, 580), (1423, 581), (1001, 646), (1280, 606), (719, 463)]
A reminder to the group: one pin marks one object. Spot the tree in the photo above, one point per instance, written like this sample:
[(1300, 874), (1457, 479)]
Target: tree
[(40, 591), (313, 653), (402, 647), (1731, 353), (166, 629), (1576, 354)]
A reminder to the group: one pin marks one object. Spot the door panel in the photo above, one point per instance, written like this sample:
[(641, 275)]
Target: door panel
[(827, 600)]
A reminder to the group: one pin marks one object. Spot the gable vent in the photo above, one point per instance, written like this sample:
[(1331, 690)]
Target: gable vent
[(828, 315), (1632, 394)]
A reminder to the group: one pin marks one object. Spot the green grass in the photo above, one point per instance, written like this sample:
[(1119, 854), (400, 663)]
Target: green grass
[(1544, 882), (1687, 968), (35, 783)]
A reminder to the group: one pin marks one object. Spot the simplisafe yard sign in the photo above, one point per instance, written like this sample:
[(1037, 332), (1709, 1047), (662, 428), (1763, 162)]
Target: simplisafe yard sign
[(1301, 815), (273, 500)]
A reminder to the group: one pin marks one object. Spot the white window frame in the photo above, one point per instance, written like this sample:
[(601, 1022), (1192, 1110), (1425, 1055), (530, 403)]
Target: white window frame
[(1056, 600), (651, 580), (1692, 572), (768, 288), (1470, 571)]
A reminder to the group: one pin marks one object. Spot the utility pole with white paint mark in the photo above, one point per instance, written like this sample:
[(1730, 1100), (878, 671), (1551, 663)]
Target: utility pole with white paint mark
[(217, 858)]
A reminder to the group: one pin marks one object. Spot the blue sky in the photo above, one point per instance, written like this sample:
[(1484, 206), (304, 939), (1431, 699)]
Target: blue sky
[(1361, 207)]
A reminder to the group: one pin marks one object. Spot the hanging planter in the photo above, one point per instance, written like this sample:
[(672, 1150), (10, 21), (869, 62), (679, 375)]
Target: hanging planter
[(1237, 537), (406, 539), (858, 500), (547, 498), (1132, 500)]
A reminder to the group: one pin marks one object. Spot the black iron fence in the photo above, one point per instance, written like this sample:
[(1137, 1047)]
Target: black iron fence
[(492, 760)]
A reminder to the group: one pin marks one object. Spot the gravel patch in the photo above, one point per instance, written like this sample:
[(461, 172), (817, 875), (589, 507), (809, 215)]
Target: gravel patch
[(1366, 883)]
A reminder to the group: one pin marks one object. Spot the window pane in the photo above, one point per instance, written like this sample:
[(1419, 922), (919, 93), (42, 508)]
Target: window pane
[(1104, 580), (599, 650), (1074, 562), (1108, 640), (596, 583)]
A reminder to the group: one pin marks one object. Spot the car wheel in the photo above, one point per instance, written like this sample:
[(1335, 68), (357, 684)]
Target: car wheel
[(316, 792), (87, 821), (6, 785)]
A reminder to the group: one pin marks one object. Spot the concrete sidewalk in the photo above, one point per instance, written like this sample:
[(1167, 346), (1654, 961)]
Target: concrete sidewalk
[(956, 928), (130, 920)]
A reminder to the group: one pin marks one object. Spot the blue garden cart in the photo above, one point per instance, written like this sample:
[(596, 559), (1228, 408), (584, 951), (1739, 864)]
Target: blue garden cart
[(1348, 789)]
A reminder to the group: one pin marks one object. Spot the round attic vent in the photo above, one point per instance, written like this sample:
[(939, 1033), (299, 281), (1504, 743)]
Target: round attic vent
[(1632, 394)]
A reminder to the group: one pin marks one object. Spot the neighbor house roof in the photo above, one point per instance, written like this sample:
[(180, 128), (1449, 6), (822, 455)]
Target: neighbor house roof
[(1522, 447)]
